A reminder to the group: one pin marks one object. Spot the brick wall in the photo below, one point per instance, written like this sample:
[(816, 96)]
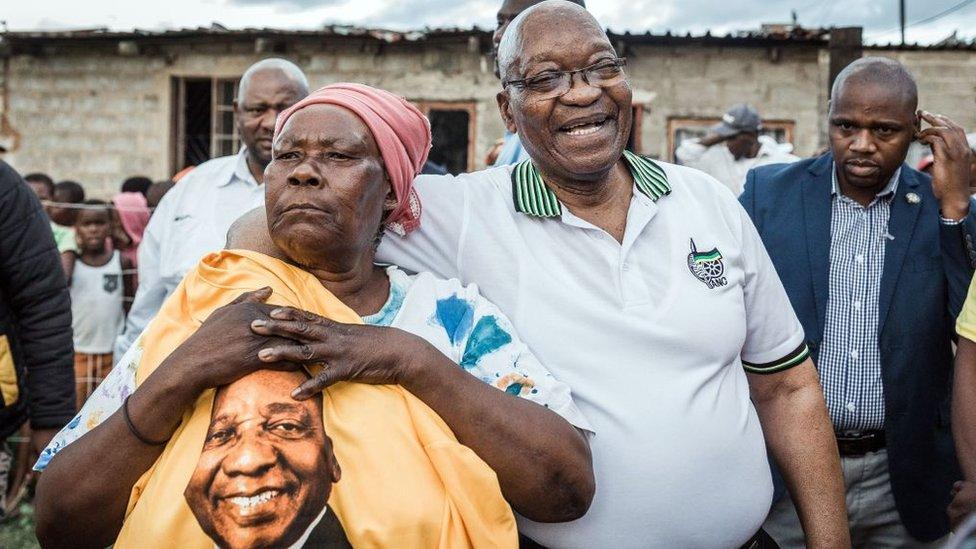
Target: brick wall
[(946, 82), (691, 82), (95, 116)]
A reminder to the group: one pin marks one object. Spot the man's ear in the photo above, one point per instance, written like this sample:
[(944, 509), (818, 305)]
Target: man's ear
[(335, 471), (505, 108), (238, 117), (918, 121)]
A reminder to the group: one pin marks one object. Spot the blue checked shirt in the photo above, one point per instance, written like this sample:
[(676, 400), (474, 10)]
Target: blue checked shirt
[(849, 361)]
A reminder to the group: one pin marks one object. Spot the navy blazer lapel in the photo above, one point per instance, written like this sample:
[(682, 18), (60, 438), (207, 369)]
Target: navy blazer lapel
[(901, 226), (816, 214)]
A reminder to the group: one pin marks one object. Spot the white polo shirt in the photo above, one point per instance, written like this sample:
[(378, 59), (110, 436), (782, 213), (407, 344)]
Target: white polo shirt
[(190, 222), (651, 335)]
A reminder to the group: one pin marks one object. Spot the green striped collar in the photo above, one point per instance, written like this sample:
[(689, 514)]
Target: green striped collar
[(533, 197)]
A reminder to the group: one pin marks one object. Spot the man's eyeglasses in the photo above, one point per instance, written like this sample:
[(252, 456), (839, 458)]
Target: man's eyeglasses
[(553, 84)]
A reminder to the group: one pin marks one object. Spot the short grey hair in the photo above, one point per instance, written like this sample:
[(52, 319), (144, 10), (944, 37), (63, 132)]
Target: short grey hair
[(511, 43), (291, 71)]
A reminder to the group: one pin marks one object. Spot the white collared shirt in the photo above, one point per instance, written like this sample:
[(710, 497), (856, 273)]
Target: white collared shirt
[(650, 334), (191, 221), (719, 163)]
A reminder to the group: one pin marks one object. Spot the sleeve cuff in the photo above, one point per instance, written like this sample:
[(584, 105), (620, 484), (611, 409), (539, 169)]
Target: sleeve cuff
[(794, 358)]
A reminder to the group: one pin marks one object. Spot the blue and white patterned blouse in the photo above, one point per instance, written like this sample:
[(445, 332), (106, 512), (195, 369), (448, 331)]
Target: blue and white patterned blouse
[(456, 319)]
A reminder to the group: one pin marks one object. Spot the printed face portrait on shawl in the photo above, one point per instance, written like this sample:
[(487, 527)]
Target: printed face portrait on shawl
[(267, 466)]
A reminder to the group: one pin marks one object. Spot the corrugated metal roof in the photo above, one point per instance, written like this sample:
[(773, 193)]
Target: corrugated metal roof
[(767, 36), (216, 29)]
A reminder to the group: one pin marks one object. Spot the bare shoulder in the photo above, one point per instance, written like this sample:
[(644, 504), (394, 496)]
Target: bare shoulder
[(250, 232)]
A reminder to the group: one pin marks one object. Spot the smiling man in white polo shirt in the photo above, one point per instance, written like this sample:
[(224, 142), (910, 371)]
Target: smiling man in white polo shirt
[(645, 287)]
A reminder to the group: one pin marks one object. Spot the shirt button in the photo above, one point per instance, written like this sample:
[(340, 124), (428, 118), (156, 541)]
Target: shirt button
[(626, 266), (857, 305), (850, 407), (854, 354), (859, 258)]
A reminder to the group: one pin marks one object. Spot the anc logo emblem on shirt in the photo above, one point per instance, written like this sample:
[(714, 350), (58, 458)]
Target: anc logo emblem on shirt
[(707, 266)]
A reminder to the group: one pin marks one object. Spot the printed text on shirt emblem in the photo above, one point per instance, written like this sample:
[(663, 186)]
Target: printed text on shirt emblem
[(707, 266)]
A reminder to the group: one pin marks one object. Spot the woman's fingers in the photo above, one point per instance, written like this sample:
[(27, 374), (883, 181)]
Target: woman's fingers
[(298, 330), (291, 313), (282, 366), (324, 379), (257, 296), (299, 354)]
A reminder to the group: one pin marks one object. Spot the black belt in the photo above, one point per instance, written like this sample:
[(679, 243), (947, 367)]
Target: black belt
[(759, 541), (854, 444)]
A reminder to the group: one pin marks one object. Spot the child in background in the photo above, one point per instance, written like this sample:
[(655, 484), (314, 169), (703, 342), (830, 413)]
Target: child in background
[(98, 297), (63, 221), (64, 233)]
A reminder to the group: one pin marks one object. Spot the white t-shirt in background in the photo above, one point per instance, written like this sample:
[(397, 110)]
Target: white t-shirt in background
[(97, 315), (719, 163)]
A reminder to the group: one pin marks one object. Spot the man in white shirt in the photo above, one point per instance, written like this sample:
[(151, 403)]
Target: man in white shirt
[(192, 219), (733, 147), (645, 287)]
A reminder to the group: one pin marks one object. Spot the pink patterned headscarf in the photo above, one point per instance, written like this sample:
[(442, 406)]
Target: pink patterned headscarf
[(400, 130)]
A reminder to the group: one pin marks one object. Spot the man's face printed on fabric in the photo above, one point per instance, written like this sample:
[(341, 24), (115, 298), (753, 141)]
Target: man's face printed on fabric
[(267, 468)]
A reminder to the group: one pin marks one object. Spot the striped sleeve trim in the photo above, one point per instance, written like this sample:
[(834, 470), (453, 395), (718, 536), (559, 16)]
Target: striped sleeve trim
[(796, 357)]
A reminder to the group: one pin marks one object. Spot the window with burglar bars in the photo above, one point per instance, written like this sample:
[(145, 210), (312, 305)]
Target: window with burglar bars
[(452, 128), (203, 116)]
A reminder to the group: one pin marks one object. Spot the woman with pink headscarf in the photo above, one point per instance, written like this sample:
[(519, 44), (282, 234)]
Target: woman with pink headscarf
[(342, 168)]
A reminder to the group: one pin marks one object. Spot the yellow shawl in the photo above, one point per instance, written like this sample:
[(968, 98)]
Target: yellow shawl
[(406, 480)]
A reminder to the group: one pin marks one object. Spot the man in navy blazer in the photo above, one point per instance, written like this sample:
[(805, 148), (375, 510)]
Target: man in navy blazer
[(876, 258)]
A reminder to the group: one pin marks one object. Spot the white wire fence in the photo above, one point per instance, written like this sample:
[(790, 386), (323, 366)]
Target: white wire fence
[(76, 206)]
